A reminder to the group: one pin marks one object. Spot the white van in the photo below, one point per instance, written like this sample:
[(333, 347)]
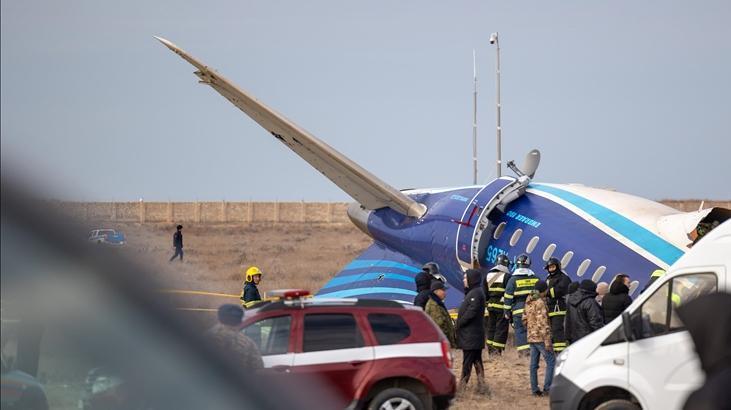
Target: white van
[(644, 358)]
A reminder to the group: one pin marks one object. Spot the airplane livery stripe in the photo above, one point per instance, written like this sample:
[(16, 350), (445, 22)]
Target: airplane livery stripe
[(375, 263), (647, 240), (345, 279), (365, 291)]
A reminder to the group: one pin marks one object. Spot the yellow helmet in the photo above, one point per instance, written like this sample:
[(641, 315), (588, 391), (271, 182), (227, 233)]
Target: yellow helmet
[(251, 272)]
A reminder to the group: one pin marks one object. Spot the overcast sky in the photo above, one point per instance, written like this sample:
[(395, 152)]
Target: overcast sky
[(633, 95)]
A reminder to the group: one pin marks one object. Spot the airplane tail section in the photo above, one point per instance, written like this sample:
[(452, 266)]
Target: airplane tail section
[(356, 181), (380, 273)]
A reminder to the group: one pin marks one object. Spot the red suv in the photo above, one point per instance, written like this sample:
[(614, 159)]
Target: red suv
[(378, 354)]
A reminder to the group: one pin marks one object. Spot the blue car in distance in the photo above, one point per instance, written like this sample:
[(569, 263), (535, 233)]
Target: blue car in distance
[(107, 236)]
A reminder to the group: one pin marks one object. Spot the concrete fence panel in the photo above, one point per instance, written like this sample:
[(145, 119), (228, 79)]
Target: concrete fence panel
[(245, 212)]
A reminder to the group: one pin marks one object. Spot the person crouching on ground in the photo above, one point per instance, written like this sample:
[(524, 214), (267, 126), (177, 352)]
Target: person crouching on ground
[(438, 312), (535, 320), (470, 332)]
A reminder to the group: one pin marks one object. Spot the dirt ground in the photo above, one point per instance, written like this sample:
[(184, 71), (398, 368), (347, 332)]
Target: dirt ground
[(294, 256)]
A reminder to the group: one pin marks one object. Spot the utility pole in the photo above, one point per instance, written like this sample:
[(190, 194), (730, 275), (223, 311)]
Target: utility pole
[(474, 119), (494, 40)]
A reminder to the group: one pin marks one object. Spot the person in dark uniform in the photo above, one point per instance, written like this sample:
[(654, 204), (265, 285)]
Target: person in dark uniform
[(558, 287), (178, 243), (250, 294), (429, 273), (470, 331), (496, 324)]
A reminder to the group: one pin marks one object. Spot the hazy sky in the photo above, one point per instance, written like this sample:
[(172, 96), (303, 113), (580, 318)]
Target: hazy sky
[(633, 95)]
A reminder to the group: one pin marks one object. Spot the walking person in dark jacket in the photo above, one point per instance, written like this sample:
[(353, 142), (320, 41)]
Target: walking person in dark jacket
[(429, 273), (558, 287), (584, 314), (178, 243), (618, 299), (470, 331)]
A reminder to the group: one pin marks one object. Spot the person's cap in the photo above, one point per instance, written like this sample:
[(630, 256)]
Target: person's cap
[(436, 285), (541, 286), (573, 286), (230, 315), (589, 285), (180, 226)]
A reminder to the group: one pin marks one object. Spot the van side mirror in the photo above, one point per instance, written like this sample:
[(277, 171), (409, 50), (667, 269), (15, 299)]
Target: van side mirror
[(629, 335)]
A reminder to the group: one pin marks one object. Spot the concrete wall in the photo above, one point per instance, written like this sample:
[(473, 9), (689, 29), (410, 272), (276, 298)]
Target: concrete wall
[(248, 212), (207, 212)]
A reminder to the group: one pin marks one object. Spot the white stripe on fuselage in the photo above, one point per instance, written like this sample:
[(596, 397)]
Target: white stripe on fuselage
[(599, 225)]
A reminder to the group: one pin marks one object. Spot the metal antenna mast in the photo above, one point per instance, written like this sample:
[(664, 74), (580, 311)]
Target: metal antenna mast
[(494, 40), (474, 119)]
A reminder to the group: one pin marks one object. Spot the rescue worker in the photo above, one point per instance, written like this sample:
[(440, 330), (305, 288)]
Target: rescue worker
[(429, 273), (558, 287), (227, 335), (496, 324), (250, 294), (438, 312), (519, 286), (655, 275), (178, 243), (470, 331), (584, 314)]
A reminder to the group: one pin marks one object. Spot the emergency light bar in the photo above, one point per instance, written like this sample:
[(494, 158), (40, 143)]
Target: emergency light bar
[(288, 293)]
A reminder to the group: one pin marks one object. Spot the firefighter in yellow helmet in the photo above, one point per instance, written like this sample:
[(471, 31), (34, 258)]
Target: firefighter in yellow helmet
[(250, 294)]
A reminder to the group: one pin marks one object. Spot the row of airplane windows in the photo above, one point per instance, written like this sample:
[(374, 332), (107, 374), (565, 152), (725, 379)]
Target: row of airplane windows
[(565, 260)]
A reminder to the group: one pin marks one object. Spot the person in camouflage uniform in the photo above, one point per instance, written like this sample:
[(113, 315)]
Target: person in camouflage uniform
[(227, 336), (438, 312), (535, 320)]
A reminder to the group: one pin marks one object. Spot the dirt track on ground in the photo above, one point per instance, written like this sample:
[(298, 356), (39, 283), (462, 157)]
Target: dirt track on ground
[(293, 256)]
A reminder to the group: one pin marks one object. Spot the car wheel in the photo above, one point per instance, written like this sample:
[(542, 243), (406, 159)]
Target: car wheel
[(618, 404), (396, 399)]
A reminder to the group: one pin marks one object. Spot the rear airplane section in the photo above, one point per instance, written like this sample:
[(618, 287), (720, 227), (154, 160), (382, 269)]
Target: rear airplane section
[(596, 233)]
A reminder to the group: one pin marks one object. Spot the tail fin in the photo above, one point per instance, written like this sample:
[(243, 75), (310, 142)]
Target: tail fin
[(380, 273)]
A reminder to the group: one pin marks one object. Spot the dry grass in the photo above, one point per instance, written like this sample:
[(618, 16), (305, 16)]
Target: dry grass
[(295, 256)]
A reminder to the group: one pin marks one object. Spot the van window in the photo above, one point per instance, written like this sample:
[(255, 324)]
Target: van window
[(271, 335), (330, 331), (657, 315)]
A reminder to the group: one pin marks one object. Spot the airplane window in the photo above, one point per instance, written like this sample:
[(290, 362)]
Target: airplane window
[(516, 236), (583, 267), (566, 259), (532, 244), (598, 273), (549, 252), (633, 287), (499, 231)]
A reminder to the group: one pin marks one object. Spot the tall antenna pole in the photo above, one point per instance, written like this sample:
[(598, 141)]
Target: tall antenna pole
[(474, 119), (494, 40)]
